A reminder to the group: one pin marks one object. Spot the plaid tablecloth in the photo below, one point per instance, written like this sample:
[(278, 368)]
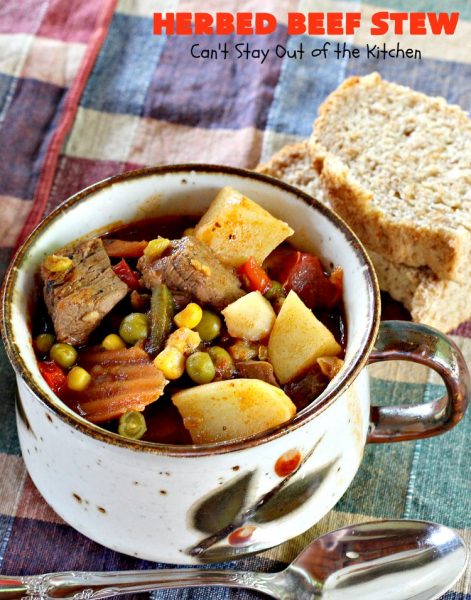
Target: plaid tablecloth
[(87, 91)]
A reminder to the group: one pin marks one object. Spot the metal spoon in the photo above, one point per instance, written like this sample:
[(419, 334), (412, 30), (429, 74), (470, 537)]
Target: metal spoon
[(393, 560)]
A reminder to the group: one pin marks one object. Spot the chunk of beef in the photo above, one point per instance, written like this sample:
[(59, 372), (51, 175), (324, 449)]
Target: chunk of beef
[(78, 298), (256, 369), (306, 389), (181, 299), (191, 266)]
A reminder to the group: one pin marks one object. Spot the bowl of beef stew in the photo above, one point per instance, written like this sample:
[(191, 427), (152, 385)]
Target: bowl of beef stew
[(189, 343)]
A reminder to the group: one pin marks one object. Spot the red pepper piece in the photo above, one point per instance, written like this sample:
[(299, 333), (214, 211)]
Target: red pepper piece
[(126, 274), (252, 273), (54, 376)]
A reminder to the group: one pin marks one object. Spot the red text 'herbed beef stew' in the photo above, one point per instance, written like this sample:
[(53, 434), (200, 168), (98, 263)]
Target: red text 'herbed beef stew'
[(178, 330)]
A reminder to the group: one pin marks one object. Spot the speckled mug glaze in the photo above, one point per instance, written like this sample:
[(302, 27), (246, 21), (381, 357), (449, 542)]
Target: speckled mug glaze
[(191, 504)]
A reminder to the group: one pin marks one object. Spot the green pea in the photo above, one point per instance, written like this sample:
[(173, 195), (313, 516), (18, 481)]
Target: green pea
[(134, 327), (223, 362), (132, 425), (209, 327), (44, 342), (64, 355), (276, 290), (200, 367)]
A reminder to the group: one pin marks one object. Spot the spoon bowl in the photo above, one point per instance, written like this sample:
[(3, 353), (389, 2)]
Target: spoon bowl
[(391, 560)]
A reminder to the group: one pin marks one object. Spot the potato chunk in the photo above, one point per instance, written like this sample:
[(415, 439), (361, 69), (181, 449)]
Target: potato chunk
[(232, 409), (250, 317), (236, 228), (298, 339)]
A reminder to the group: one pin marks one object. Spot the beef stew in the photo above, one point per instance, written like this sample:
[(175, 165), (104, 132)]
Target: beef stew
[(152, 332)]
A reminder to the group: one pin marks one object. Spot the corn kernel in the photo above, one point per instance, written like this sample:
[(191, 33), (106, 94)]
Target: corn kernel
[(171, 362), (190, 316), (113, 342), (78, 379), (189, 231), (155, 248), (184, 340), (57, 264)]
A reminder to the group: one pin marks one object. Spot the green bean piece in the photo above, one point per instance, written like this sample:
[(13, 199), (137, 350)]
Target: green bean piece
[(44, 342), (200, 367), (134, 327), (161, 315), (276, 290), (132, 425), (64, 355), (223, 362), (209, 327)]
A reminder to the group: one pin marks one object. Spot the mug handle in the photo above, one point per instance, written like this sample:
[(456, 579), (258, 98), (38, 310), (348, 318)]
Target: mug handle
[(402, 340)]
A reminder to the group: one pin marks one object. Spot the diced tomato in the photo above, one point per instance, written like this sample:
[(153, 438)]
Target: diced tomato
[(303, 273), (126, 274), (54, 376), (254, 276), (124, 248), (281, 262)]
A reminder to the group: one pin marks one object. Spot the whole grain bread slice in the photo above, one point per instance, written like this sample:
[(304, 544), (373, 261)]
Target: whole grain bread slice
[(440, 303), (397, 164)]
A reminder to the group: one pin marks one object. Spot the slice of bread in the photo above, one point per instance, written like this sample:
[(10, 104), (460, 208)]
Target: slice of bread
[(293, 165), (397, 164), (439, 303)]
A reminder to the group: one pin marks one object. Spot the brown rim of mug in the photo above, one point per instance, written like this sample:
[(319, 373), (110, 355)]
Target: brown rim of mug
[(327, 398)]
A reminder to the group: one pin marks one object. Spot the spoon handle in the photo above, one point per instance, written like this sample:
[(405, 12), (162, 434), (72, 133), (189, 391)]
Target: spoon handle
[(93, 585)]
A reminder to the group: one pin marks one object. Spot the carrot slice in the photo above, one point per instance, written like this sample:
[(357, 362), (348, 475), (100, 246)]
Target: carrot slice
[(122, 380), (124, 248)]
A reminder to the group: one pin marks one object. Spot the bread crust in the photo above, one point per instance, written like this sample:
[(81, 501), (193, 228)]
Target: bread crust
[(445, 250), (439, 303)]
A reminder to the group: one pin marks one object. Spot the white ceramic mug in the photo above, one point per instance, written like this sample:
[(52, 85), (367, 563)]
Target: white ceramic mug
[(190, 504)]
